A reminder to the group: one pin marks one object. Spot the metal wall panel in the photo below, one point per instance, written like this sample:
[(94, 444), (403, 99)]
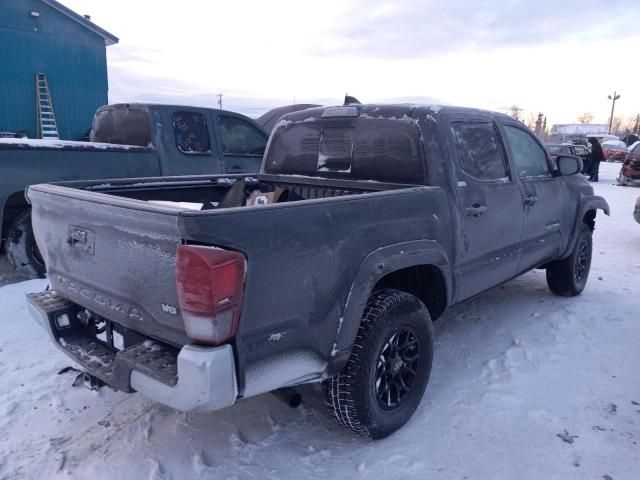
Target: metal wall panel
[(72, 57)]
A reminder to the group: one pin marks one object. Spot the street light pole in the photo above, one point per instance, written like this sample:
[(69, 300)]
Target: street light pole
[(613, 105)]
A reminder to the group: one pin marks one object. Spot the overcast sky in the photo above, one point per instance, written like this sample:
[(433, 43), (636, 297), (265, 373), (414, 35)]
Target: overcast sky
[(560, 57)]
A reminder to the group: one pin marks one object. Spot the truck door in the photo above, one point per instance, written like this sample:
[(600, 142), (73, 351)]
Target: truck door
[(546, 200), (241, 143), (490, 206), (190, 145)]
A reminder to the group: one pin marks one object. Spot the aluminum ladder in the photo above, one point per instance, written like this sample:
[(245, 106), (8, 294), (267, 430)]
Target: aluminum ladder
[(47, 126)]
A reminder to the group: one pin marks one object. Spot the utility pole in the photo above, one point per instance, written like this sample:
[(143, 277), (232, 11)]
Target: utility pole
[(219, 100), (613, 106)]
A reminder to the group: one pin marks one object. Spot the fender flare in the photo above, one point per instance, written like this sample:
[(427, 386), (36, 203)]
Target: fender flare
[(376, 265), (587, 204)]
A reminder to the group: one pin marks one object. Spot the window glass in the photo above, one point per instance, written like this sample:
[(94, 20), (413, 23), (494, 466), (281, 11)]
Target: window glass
[(558, 149), (239, 137), (387, 151), (529, 157), (336, 145), (294, 149), (124, 126), (191, 134), (580, 150), (376, 149), (636, 150), (479, 150)]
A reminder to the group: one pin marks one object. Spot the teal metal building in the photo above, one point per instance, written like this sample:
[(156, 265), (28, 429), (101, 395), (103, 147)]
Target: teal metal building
[(45, 37)]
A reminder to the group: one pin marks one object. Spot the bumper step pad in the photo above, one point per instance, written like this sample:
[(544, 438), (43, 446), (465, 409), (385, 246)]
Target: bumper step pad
[(152, 360), (110, 365)]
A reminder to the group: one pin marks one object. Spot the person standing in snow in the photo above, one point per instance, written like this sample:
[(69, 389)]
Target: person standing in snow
[(597, 155)]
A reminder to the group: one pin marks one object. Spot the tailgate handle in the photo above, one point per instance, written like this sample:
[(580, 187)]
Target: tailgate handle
[(475, 210), (530, 200)]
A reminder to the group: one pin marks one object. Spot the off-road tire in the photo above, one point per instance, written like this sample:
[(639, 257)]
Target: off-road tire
[(568, 277), (22, 250), (352, 395)]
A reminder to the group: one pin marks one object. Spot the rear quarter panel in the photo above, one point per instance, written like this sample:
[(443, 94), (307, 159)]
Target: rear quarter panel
[(302, 261)]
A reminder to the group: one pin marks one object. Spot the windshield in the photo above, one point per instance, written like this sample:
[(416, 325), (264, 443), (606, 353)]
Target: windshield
[(559, 149)]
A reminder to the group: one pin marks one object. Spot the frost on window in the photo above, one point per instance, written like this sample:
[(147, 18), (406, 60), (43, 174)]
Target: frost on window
[(120, 125), (191, 134), (294, 149), (479, 150), (388, 151), (529, 157), (381, 149)]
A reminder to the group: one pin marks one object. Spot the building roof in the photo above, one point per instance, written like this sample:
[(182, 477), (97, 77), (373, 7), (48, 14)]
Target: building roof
[(578, 129), (109, 39)]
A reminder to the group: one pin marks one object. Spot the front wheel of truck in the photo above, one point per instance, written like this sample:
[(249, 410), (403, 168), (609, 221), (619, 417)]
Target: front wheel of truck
[(22, 250), (383, 381), (568, 277)]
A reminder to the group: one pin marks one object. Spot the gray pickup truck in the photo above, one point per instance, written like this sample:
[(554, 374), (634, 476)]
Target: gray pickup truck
[(386, 216), (127, 140)]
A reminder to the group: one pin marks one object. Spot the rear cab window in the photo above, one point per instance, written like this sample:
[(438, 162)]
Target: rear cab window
[(357, 148), (191, 133)]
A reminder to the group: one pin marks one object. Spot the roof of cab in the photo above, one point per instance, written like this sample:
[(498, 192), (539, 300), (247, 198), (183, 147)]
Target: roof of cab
[(384, 111)]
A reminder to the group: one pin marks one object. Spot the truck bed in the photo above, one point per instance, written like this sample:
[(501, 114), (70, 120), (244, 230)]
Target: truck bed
[(112, 252)]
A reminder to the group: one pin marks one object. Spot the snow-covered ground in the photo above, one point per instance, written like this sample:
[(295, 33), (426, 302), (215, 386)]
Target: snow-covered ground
[(515, 370)]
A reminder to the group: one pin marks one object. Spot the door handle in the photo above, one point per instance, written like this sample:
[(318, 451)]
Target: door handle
[(530, 200), (475, 210)]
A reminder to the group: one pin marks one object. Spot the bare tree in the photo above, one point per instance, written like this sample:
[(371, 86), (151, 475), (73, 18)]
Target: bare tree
[(531, 120), (586, 117), (516, 111), (616, 126)]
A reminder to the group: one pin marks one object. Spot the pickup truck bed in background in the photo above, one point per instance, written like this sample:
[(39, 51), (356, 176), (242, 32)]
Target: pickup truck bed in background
[(393, 213), (128, 140)]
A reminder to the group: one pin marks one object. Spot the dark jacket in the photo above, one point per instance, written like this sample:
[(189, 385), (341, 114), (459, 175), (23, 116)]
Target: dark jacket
[(597, 155)]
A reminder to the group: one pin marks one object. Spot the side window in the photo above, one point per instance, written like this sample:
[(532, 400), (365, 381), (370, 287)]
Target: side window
[(479, 150), (636, 150), (529, 157), (191, 134), (240, 137)]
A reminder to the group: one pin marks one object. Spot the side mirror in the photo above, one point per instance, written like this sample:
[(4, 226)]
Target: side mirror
[(569, 164)]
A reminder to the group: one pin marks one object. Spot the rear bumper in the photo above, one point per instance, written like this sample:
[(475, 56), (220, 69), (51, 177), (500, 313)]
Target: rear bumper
[(191, 379)]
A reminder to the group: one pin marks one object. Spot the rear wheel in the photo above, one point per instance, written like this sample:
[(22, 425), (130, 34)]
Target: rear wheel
[(381, 385), (22, 250), (568, 277)]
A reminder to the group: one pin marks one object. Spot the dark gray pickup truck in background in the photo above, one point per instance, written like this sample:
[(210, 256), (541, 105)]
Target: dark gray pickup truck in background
[(127, 140), (392, 214)]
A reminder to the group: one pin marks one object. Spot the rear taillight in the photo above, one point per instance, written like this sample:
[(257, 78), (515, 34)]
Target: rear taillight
[(210, 285)]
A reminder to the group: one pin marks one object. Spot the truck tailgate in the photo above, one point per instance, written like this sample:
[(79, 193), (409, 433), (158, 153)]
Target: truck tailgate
[(111, 255)]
